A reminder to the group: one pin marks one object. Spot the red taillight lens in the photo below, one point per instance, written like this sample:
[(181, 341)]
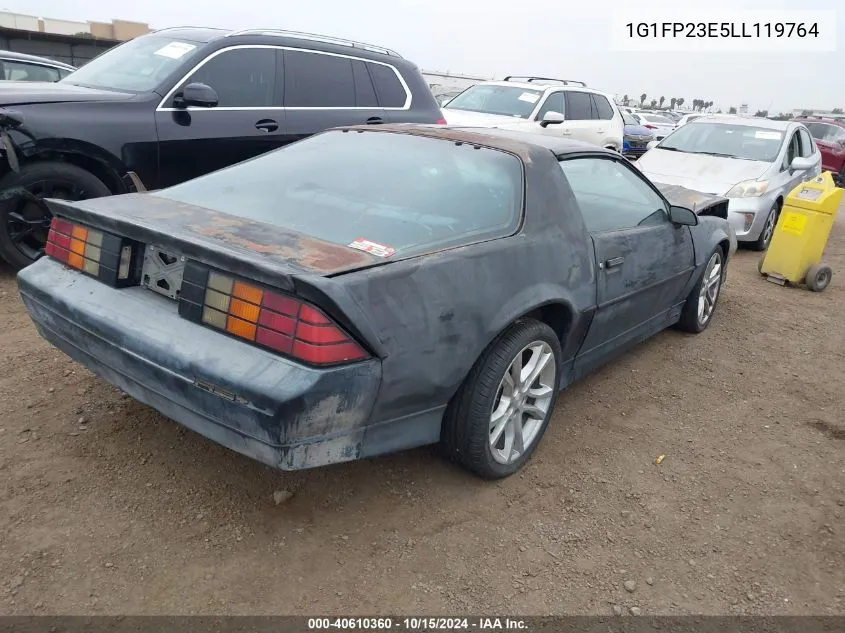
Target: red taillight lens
[(651, 127), (270, 319), (103, 255), (441, 121)]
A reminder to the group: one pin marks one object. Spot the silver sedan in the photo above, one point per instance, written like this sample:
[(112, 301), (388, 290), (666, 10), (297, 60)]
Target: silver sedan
[(753, 162)]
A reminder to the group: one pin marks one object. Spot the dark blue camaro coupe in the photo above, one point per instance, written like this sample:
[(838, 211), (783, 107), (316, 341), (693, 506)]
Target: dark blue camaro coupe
[(377, 288)]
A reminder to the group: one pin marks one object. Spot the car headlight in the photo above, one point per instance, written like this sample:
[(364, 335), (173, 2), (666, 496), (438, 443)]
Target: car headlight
[(748, 189)]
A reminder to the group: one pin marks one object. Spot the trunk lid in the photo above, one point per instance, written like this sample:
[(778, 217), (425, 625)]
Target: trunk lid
[(270, 254)]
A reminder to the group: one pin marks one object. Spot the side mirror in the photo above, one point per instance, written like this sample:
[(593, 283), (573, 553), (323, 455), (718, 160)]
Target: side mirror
[(682, 216), (801, 164), (551, 118), (196, 94), (651, 144)]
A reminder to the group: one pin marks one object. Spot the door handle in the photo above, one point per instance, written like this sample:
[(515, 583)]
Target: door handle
[(614, 262), (600, 130), (566, 130), (374, 120), (267, 125)]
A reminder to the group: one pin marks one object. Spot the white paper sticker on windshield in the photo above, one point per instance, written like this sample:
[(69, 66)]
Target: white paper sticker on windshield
[(175, 50), (768, 136), (379, 250), (530, 97)]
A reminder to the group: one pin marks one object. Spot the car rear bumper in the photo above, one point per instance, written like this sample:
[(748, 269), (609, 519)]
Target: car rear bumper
[(274, 410)]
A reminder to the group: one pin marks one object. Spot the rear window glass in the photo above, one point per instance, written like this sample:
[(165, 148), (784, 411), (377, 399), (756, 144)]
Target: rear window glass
[(404, 192)]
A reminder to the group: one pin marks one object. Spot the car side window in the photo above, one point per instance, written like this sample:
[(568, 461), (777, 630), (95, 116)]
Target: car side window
[(391, 93), (602, 107), (611, 196), (315, 80), (553, 103), (17, 71), (241, 77), (365, 92), (578, 106), (807, 146), (792, 152)]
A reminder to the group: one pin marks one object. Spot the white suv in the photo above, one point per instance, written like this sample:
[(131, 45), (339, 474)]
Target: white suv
[(558, 107)]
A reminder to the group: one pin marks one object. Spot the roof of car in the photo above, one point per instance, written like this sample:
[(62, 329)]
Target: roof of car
[(205, 35), (193, 33), (820, 119), (734, 119), (508, 140), (34, 58), (541, 87)]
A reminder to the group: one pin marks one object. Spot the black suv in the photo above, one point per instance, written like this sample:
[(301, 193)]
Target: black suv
[(179, 103)]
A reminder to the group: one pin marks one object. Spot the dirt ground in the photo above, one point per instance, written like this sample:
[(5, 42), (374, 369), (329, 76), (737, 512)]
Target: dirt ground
[(108, 508)]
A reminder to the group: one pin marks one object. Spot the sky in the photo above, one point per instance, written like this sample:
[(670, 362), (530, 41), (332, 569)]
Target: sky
[(543, 37)]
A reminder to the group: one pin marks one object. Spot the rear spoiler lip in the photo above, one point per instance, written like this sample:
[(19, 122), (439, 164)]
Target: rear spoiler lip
[(196, 247), (331, 297)]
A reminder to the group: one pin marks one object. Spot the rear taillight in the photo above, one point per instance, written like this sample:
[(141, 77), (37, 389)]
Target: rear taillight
[(650, 127), (102, 255), (270, 319), (441, 121)]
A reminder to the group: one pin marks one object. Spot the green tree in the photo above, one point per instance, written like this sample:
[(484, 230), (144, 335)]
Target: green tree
[(654, 103), (662, 99), (625, 100), (680, 101), (672, 103), (642, 98), (836, 111), (732, 110)]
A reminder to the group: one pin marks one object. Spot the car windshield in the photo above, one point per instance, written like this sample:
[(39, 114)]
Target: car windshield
[(403, 192), (656, 118), (506, 100), (139, 65), (729, 140)]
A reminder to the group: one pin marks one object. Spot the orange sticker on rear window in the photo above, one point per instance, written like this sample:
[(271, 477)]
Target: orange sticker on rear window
[(379, 250)]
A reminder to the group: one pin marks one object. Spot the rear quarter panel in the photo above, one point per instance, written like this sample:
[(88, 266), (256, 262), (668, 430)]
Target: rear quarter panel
[(436, 314)]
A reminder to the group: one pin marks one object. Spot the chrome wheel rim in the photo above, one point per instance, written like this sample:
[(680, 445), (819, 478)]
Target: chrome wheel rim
[(769, 229), (710, 286), (522, 402)]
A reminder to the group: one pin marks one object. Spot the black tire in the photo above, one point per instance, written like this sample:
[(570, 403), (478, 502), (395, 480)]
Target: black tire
[(818, 277), (466, 425), (762, 242), (24, 219), (691, 321)]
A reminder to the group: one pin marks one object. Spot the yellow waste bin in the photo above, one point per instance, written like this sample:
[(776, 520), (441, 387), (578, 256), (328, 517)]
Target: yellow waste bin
[(795, 252)]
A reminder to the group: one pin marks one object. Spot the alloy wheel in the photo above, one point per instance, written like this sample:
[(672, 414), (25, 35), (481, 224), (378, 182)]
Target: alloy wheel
[(710, 286), (29, 220), (522, 402)]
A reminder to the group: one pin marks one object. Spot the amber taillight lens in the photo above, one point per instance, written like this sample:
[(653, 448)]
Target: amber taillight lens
[(265, 317), (110, 258)]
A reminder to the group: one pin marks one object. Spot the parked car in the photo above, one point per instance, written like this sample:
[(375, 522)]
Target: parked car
[(636, 139), (178, 103), (557, 107), (23, 67), (657, 123), (672, 116), (829, 134), (753, 162), (376, 288)]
